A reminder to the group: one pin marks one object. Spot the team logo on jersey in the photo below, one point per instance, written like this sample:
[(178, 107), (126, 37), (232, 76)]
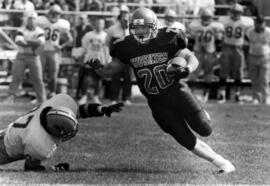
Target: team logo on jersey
[(149, 59)]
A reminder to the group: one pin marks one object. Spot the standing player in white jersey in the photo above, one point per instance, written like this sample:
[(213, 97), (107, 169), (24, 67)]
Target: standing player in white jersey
[(170, 20), (232, 59), (29, 38), (207, 37), (258, 59), (35, 136), (55, 28)]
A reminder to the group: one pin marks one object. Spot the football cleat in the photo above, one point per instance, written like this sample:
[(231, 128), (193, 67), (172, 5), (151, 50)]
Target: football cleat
[(61, 167), (34, 168)]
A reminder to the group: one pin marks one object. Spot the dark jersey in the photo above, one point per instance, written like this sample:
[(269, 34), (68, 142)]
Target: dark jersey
[(149, 61)]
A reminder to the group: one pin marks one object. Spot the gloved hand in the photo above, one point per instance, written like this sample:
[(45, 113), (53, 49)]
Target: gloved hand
[(61, 167), (95, 64), (178, 72), (108, 110)]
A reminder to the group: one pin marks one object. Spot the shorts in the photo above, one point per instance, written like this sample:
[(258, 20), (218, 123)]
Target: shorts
[(4, 157), (177, 112)]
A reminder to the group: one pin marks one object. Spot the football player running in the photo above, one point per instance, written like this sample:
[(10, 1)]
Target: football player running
[(206, 35), (55, 28), (147, 50), (35, 136)]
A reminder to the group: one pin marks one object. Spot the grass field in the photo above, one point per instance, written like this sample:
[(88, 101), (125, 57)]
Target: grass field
[(129, 148)]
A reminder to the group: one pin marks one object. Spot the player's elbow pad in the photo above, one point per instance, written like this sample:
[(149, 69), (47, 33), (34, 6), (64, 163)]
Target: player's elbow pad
[(89, 110)]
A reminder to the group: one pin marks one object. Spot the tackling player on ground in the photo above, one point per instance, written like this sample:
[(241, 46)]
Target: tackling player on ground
[(35, 136), (173, 106), (55, 28)]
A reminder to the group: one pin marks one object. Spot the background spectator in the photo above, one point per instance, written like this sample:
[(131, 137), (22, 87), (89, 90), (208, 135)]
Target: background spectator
[(170, 20), (258, 58), (94, 45), (92, 5), (198, 5), (232, 59), (116, 31), (29, 38)]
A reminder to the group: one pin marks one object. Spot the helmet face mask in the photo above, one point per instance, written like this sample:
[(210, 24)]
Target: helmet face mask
[(60, 122), (236, 15), (142, 33), (54, 16), (143, 25), (206, 20)]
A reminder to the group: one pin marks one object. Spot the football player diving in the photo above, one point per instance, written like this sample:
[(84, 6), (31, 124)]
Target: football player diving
[(175, 109), (35, 136)]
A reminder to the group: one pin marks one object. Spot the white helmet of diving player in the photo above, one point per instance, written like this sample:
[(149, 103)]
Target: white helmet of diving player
[(59, 122)]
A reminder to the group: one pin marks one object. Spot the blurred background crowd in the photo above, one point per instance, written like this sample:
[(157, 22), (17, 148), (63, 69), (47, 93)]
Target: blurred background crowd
[(97, 23)]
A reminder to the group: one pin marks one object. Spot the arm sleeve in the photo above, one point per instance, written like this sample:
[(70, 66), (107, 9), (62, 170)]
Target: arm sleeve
[(90, 110), (181, 40)]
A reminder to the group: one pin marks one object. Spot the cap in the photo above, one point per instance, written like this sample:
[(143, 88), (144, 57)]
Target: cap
[(237, 8), (206, 13), (31, 14), (124, 8), (260, 19), (170, 13)]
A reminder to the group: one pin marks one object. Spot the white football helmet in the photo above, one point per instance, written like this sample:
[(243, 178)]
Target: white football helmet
[(143, 25), (60, 122), (54, 13)]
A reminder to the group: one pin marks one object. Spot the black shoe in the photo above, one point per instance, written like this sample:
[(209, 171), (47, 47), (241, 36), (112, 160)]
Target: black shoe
[(61, 167), (34, 168)]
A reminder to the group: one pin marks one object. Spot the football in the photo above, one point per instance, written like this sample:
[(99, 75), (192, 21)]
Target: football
[(176, 62)]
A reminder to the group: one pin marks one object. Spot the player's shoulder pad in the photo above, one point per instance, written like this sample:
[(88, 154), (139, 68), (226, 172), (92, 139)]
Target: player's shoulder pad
[(42, 20), (224, 19), (39, 29), (267, 29), (64, 23), (194, 24), (217, 25), (119, 40), (247, 21)]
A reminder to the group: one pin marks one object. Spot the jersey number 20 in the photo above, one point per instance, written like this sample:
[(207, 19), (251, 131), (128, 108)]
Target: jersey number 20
[(160, 74)]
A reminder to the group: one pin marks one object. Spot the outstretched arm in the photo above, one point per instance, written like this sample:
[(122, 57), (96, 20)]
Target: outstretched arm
[(107, 70), (98, 110)]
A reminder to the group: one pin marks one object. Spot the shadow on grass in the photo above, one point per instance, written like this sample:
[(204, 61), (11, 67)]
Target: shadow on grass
[(103, 170)]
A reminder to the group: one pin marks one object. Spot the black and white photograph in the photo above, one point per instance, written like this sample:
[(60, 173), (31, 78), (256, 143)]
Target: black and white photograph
[(134, 92)]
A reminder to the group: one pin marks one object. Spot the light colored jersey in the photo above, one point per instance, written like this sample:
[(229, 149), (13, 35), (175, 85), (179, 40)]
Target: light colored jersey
[(115, 32), (259, 43), (53, 31), (235, 30), (27, 137), (94, 45), (175, 24), (205, 36), (24, 34)]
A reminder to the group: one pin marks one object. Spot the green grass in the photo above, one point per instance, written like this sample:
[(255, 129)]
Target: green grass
[(129, 148)]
